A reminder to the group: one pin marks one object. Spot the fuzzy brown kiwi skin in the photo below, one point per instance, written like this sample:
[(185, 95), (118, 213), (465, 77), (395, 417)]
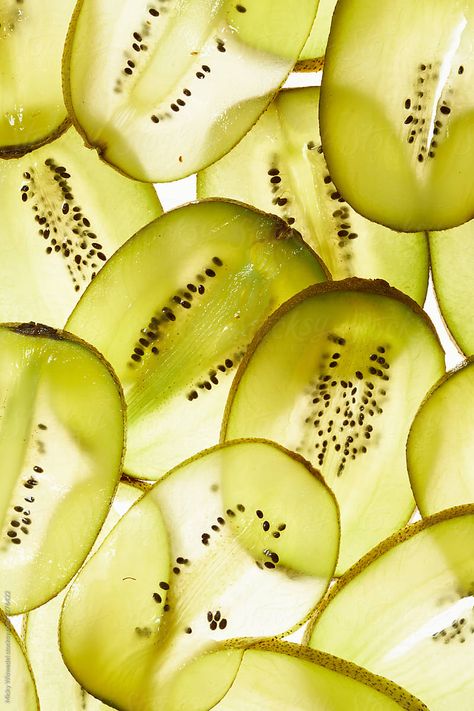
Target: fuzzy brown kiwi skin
[(9, 152), (309, 65), (101, 147), (19, 641)]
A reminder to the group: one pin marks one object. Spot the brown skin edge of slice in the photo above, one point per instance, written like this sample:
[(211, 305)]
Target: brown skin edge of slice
[(12, 152), (309, 65)]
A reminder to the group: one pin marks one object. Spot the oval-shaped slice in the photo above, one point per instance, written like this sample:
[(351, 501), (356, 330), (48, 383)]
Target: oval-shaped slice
[(64, 213), (57, 689), (195, 562), (312, 55), (32, 38), (406, 611), (174, 311), (440, 446), (279, 167), (282, 677), (401, 107), (181, 82), (337, 374), (17, 685), (452, 264), (61, 444)]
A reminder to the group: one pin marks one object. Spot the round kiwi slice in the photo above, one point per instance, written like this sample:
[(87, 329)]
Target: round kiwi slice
[(406, 611), (186, 295), (337, 374), (61, 443), (64, 213), (312, 55), (401, 107), (17, 685), (452, 261), (181, 82), (239, 541), (279, 167), (32, 109), (279, 676), (57, 689), (440, 444)]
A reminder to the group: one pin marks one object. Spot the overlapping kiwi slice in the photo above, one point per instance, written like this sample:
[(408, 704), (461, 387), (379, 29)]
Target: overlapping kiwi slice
[(32, 108), (17, 686), (64, 213), (337, 374), (239, 541), (61, 445), (279, 167), (182, 81), (400, 105), (406, 611), (279, 676), (439, 449), (312, 55), (174, 310)]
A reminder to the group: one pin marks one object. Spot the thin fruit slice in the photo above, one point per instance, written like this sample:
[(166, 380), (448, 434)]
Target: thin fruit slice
[(337, 374), (181, 82), (195, 562), (406, 611), (32, 37), (61, 443), (57, 689), (312, 55), (401, 107), (279, 167), (187, 294), (277, 676), (440, 449), (63, 214), (17, 685), (452, 264)]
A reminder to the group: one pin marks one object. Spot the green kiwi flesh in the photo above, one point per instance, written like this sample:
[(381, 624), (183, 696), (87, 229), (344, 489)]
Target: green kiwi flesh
[(57, 689), (400, 105), (452, 263), (187, 294), (195, 562), (32, 109), (17, 685), (440, 445), (279, 167), (61, 444), (183, 81), (279, 676), (315, 47), (337, 375), (64, 213), (405, 611)]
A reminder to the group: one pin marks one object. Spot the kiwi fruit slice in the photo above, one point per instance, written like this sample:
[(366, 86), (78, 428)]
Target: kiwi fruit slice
[(61, 445), (279, 167), (57, 689), (182, 82), (59, 229), (312, 55), (186, 295), (401, 107), (279, 676), (242, 541), (452, 260), (439, 449), (17, 685), (405, 611), (32, 109), (337, 375)]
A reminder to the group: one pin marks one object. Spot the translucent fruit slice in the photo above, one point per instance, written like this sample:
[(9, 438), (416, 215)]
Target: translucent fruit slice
[(32, 38), (186, 295), (279, 168), (63, 214), (440, 445), (452, 264), (61, 442), (57, 689), (312, 55), (181, 82), (277, 676), (406, 611), (17, 686), (240, 541), (401, 107), (337, 374)]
